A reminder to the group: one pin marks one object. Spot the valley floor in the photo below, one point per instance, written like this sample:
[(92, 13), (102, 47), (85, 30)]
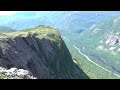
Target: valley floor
[(87, 58)]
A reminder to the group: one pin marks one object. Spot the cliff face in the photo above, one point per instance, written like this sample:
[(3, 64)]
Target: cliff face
[(39, 50)]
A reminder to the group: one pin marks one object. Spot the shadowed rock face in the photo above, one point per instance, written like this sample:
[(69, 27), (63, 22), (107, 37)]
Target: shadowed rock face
[(44, 58)]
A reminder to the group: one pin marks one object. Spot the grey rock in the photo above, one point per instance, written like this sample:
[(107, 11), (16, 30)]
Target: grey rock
[(112, 39)]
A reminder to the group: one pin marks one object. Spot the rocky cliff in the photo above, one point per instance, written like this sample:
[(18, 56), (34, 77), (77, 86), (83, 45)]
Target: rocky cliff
[(39, 50)]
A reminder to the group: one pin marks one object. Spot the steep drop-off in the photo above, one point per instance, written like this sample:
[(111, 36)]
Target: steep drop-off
[(39, 50)]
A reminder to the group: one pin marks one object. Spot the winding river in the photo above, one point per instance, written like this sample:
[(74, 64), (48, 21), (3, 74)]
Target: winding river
[(98, 64)]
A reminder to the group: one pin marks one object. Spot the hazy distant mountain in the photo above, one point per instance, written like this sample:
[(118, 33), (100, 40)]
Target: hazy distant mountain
[(6, 29), (65, 20)]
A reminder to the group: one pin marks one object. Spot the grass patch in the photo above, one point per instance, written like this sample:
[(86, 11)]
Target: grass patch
[(41, 31), (3, 76)]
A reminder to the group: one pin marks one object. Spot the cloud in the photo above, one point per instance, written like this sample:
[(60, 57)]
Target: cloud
[(7, 13)]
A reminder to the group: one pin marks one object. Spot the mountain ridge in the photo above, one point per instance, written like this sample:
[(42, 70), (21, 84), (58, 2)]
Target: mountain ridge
[(6, 29), (37, 50)]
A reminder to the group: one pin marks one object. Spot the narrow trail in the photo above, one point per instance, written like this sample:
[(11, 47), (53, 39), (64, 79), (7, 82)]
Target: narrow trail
[(94, 62)]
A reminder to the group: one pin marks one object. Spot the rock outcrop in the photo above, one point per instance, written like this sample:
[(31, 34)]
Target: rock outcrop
[(112, 39), (14, 73), (41, 51)]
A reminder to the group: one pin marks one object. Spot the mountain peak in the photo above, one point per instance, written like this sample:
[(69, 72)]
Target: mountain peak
[(41, 51)]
